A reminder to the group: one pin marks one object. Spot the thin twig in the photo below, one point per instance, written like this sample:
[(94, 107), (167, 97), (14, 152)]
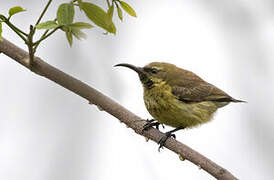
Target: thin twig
[(131, 120), (30, 46), (32, 32), (43, 12), (108, 3), (19, 32), (45, 36)]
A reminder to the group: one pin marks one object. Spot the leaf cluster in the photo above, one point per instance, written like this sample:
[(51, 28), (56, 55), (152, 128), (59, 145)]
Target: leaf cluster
[(65, 19)]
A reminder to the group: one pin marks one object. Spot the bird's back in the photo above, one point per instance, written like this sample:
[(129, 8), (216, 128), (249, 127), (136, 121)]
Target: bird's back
[(189, 87)]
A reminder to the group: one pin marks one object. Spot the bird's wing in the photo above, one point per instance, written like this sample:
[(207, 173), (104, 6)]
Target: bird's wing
[(200, 92), (189, 87)]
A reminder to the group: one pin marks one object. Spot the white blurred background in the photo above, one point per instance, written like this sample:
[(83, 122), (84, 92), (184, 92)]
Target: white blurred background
[(49, 133)]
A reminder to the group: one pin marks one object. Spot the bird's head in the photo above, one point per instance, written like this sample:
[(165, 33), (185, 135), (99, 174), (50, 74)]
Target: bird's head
[(154, 73)]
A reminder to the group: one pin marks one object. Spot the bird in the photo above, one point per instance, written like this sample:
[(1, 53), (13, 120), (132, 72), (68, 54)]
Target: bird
[(177, 97)]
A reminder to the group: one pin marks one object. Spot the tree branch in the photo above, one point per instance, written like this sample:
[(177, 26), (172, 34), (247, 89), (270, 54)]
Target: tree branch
[(131, 120)]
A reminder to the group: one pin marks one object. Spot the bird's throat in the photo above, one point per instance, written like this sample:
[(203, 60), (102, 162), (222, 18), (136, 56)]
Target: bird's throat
[(148, 83)]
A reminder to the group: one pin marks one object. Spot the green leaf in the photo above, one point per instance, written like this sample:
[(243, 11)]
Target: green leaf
[(80, 25), (65, 28), (128, 8), (69, 37), (112, 29), (120, 12), (98, 16), (47, 25), (78, 34), (65, 14), (1, 39), (15, 10), (110, 15)]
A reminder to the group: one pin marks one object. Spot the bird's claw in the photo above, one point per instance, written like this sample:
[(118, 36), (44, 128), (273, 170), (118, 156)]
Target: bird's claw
[(164, 138), (150, 120), (173, 135), (150, 124)]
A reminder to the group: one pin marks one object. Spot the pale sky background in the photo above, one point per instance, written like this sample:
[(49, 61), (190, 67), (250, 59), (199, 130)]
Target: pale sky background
[(49, 133)]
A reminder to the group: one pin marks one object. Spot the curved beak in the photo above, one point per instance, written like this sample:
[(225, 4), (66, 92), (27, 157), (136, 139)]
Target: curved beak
[(139, 70), (147, 82)]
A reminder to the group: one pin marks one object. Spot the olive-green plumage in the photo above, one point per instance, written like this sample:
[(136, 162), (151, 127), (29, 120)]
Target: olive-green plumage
[(181, 98), (177, 97), (167, 109)]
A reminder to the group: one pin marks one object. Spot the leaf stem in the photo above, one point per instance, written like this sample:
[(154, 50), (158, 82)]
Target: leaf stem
[(45, 33), (43, 12), (108, 3), (19, 32), (44, 36)]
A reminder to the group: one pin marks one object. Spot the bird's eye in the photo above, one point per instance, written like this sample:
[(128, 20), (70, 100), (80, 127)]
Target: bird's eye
[(154, 71), (151, 70)]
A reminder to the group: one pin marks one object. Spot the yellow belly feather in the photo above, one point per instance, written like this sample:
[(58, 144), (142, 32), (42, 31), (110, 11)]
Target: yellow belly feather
[(167, 109)]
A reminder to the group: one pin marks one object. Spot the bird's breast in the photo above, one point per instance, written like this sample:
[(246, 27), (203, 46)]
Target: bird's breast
[(167, 109)]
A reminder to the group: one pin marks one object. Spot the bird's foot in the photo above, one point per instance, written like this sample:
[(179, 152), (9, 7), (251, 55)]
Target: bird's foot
[(150, 123), (164, 138)]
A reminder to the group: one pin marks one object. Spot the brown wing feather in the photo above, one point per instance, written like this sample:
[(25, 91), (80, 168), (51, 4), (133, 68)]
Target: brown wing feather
[(191, 88), (201, 93)]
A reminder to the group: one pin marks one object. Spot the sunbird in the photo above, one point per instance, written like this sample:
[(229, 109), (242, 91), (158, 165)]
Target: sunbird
[(177, 97)]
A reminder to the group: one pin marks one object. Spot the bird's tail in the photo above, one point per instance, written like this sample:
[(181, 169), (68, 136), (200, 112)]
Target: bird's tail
[(236, 101)]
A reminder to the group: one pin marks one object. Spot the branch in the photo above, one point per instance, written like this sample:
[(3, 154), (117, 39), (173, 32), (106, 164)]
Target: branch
[(95, 97)]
